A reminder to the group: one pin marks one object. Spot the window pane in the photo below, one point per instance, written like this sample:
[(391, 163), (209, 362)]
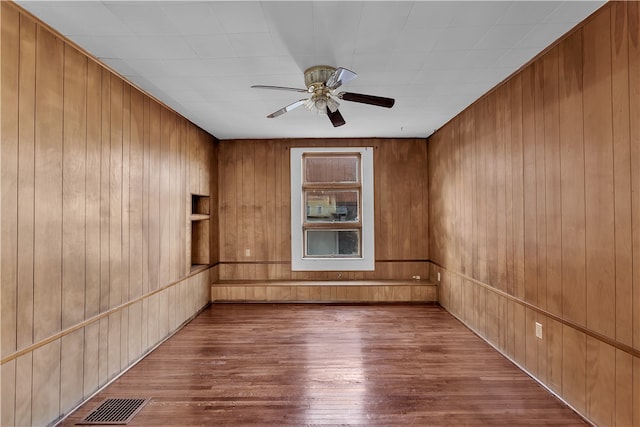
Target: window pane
[(333, 243), (331, 169), (331, 205)]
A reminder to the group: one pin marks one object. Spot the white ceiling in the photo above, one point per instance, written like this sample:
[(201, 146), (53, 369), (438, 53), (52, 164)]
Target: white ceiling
[(200, 58)]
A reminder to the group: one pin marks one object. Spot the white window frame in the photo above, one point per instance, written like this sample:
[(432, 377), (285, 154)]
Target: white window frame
[(366, 261)]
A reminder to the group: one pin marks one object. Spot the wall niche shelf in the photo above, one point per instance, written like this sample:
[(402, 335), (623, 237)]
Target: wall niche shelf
[(199, 222)]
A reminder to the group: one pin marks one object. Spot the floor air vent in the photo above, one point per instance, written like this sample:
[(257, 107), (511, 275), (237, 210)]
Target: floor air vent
[(114, 411)]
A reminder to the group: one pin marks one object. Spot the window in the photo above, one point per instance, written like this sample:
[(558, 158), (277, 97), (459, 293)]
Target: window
[(332, 209)]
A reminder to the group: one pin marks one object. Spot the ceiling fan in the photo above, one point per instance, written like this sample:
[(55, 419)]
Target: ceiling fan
[(322, 82)]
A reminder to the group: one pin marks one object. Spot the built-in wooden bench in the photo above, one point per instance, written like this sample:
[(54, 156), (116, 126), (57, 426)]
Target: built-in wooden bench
[(325, 291)]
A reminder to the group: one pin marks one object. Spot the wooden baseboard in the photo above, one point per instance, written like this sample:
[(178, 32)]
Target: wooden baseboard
[(325, 291)]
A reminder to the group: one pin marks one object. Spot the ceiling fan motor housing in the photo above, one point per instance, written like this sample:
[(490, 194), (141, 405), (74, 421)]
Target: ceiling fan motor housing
[(315, 79), (317, 75)]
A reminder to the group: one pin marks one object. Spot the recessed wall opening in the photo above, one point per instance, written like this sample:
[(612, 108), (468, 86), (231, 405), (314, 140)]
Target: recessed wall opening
[(200, 244)]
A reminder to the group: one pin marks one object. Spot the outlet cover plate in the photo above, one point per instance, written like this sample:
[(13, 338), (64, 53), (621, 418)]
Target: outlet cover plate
[(539, 330)]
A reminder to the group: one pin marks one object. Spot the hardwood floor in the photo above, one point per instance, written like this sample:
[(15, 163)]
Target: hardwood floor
[(286, 364)]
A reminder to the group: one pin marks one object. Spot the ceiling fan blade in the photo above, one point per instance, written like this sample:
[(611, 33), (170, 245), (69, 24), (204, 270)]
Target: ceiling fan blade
[(367, 99), (293, 89), (335, 117), (340, 77), (286, 109)]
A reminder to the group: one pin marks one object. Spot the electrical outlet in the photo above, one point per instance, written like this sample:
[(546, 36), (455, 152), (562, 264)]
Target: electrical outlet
[(438, 276), (539, 330), (247, 252)]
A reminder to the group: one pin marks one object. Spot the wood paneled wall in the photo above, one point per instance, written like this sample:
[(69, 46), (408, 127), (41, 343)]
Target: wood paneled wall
[(255, 194), (535, 216), (96, 184), (327, 291)]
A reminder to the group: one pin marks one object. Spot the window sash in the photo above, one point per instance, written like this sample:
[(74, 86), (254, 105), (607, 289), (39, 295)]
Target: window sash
[(324, 206), (348, 177), (336, 240)]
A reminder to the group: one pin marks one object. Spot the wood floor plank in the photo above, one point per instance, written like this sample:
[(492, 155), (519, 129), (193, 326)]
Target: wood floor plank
[(286, 364)]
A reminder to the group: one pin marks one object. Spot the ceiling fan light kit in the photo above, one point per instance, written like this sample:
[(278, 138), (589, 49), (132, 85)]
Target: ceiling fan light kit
[(322, 82)]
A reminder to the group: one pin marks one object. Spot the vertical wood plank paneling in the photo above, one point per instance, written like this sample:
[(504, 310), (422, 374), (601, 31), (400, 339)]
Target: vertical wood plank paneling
[(493, 320), (229, 230), (519, 326), (633, 10), (73, 187), (90, 367), (574, 371), (71, 362), (105, 177), (48, 185), (539, 186), (482, 190), (167, 130), (25, 228), (240, 245), (510, 253), (154, 197), (146, 191), (136, 195), (181, 262), (383, 220), (636, 389), (517, 173), (244, 182), (531, 342), (405, 153), (260, 242), (93, 243), (285, 185), (76, 155), (622, 174), (418, 237), (8, 389), (124, 250), (246, 177), (572, 180), (103, 351), (598, 148), (126, 180), (113, 351), (172, 192), (554, 356), (9, 185), (552, 187), (215, 197), (466, 128), (529, 185), (490, 139), (115, 193), (457, 227), (501, 178), (116, 273), (23, 397), (569, 197), (624, 397), (279, 153), (601, 386), (269, 250), (46, 383)]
